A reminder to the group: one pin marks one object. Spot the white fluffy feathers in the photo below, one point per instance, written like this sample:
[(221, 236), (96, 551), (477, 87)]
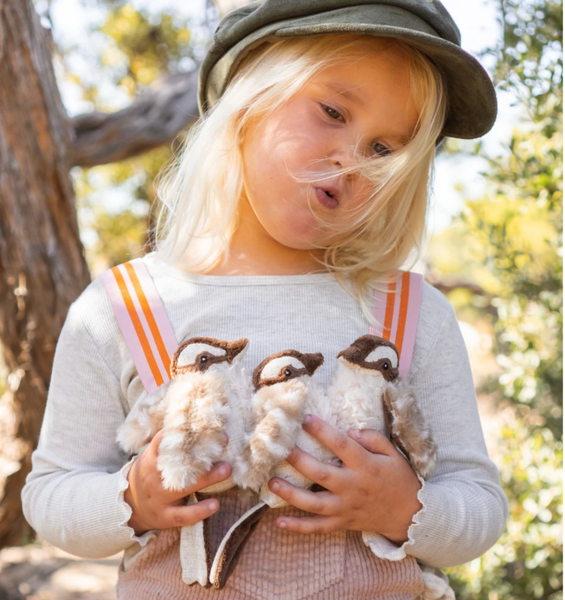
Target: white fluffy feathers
[(210, 394)]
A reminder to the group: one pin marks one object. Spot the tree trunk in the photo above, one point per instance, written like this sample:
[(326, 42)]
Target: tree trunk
[(42, 264)]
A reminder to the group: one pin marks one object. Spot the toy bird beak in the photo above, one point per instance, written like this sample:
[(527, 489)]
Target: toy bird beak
[(312, 362), (236, 350)]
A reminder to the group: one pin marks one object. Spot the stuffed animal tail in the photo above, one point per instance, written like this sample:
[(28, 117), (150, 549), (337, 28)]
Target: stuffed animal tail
[(408, 428)]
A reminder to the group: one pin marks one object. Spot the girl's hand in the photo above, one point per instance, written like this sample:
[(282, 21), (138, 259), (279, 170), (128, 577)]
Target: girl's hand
[(154, 507), (375, 490)]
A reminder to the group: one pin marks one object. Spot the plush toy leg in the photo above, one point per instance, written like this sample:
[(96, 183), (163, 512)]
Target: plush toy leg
[(381, 546), (436, 584), (193, 551)]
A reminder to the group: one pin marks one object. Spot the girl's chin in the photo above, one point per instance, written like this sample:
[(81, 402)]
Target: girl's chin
[(299, 240)]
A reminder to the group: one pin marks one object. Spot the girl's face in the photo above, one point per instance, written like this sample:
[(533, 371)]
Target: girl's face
[(367, 103)]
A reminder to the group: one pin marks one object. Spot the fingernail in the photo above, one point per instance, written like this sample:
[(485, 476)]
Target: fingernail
[(355, 433), (308, 418), (213, 504), (223, 469), (281, 524), (275, 486), (225, 438)]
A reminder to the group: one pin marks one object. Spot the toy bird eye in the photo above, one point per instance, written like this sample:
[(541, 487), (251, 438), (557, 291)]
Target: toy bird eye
[(288, 372), (385, 366), (203, 359)]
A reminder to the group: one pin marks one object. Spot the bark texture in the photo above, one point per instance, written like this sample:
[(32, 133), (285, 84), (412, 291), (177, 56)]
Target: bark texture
[(42, 265)]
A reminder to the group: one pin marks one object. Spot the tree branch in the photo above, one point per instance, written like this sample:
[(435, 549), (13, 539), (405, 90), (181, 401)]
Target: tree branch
[(153, 119)]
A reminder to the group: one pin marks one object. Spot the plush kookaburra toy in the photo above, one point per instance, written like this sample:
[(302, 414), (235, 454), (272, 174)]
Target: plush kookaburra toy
[(282, 384), (207, 396), (282, 387), (201, 402), (367, 393)]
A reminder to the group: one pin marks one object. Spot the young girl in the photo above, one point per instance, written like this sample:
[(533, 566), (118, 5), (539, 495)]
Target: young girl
[(300, 191)]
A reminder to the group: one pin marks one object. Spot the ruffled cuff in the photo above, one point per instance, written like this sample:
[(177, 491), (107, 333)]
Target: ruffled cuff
[(126, 510), (384, 548)]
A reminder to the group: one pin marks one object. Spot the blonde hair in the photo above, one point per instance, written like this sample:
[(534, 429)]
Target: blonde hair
[(200, 189)]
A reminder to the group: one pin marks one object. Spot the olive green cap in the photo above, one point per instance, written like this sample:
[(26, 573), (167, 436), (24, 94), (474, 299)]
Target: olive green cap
[(425, 24)]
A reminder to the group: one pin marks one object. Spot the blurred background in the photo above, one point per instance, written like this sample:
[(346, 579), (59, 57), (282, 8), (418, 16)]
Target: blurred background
[(96, 96)]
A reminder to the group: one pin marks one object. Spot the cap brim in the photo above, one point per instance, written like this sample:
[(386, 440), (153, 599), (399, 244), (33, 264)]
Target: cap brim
[(472, 105)]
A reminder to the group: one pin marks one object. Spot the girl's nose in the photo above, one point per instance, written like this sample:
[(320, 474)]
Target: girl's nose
[(344, 157)]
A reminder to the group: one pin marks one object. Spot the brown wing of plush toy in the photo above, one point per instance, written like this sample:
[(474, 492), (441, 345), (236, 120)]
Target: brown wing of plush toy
[(408, 428)]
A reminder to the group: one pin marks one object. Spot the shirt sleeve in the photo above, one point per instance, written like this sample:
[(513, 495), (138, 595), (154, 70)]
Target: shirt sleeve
[(464, 509), (74, 495)]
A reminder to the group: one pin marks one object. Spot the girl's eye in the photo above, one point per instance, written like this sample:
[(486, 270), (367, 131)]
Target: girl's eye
[(381, 149), (331, 111)]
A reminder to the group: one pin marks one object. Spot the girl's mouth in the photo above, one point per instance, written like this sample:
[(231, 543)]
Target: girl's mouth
[(325, 199)]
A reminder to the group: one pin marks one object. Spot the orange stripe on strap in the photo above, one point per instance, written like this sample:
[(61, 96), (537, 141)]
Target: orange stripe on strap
[(165, 358), (403, 311), (389, 309), (138, 326)]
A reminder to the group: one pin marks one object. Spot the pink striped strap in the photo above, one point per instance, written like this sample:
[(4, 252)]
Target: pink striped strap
[(142, 320), (397, 313)]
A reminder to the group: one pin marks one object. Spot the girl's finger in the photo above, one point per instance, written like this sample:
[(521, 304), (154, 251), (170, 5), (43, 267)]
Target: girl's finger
[(350, 453), (180, 516), (153, 447), (373, 441), (328, 476), (217, 473), (309, 524), (320, 503)]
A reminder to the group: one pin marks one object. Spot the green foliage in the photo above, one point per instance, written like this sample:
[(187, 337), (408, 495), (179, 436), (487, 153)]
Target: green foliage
[(115, 234), (514, 251), (518, 233), (530, 63), (143, 48), (139, 49), (527, 561)]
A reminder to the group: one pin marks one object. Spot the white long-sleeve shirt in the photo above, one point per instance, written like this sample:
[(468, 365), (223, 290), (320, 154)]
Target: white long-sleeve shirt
[(73, 496)]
